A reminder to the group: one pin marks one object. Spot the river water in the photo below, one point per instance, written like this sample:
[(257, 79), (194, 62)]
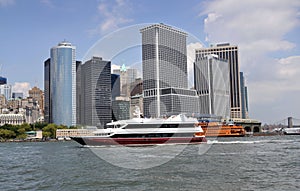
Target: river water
[(246, 163)]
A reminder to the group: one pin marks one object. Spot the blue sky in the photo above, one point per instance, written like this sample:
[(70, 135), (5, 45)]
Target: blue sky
[(267, 33)]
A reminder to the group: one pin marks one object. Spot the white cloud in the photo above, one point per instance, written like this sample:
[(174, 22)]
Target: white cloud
[(4, 3), (113, 14), (260, 29), (23, 87), (48, 3)]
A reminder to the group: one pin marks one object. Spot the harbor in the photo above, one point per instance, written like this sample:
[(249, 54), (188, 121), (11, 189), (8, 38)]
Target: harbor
[(232, 163)]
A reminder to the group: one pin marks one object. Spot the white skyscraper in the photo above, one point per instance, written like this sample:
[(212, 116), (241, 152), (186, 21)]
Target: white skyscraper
[(5, 90)]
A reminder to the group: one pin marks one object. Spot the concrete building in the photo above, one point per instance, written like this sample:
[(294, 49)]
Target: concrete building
[(165, 80), (95, 107), (127, 76), (12, 119), (37, 95), (211, 81), (63, 84), (228, 52)]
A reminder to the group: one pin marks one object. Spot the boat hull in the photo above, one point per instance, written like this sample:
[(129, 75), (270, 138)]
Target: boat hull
[(99, 141)]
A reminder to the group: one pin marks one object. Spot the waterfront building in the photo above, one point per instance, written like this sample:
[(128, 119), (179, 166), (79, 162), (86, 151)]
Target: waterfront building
[(115, 86), (127, 76), (67, 133), (47, 100), (12, 119), (228, 52), (63, 84), (95, 107), (164, 58), (244, 97), (5, 89), (211, 81)]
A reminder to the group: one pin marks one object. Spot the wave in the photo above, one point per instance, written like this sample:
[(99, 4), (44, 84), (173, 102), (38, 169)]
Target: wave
[(248, 142)]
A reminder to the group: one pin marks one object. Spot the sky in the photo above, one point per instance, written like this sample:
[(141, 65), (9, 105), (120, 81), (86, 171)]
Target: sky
[(266, 33)]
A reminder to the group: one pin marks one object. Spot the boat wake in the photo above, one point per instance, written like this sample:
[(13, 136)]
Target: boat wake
[(248, 142)]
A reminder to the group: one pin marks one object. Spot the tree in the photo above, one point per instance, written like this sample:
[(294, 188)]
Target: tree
[(49, 131)]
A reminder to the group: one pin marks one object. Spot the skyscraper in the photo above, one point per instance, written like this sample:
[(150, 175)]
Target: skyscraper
[(244, 96), (115, 86), (230, 53), (127, 76), (96, 92), (47, 104), (164, 57), (63, 84), (211, 81), (5, 89)]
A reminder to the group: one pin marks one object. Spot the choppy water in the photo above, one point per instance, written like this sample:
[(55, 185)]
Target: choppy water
[(248, 163)]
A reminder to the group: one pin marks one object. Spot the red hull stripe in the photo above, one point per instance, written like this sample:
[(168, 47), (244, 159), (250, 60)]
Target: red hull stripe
[(94, 141)]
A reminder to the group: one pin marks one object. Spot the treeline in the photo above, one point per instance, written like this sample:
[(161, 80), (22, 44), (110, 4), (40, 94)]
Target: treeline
[(18, 132)]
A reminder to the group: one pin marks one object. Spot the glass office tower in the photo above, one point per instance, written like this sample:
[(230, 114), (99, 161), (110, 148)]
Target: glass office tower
[(63, 84)]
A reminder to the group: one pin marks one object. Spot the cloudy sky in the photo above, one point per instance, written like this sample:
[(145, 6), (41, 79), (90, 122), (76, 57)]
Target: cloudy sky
[(266, 32)]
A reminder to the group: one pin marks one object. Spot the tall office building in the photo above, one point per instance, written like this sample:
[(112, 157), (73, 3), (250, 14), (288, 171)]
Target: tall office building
[(47, 100), (164, 57), (78, 91), (115, 86), (230, 53), (244, 96), (5, 89), (37, 95), (95, 93), (127, 76), (211, 81), (63, 84)]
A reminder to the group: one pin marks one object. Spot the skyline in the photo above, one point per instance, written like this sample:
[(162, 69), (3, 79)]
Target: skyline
[(265, 32)]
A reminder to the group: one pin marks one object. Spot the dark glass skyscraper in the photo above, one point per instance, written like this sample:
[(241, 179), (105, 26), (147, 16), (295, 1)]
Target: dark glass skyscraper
[(47, 99), (96, 103), (165, 81)]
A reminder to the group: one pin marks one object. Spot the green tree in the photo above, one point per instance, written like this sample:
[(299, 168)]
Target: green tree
[(49, 131), (7, 134)]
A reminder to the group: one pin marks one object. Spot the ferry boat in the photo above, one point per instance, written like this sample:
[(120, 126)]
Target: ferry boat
[(176, 129), (217, 129), (291, 131)]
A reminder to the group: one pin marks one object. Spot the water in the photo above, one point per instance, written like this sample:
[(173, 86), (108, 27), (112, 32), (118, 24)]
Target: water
[(247, 163)]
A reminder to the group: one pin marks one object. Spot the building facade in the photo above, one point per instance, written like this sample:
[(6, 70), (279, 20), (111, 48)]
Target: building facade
[(115, 86), (37, 95), (47, 100), (120, 110), (127, 76), (211, 81), (63, 84), (230, 53), (5, 89), (244, 97), (96, 103), (165, 80)]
